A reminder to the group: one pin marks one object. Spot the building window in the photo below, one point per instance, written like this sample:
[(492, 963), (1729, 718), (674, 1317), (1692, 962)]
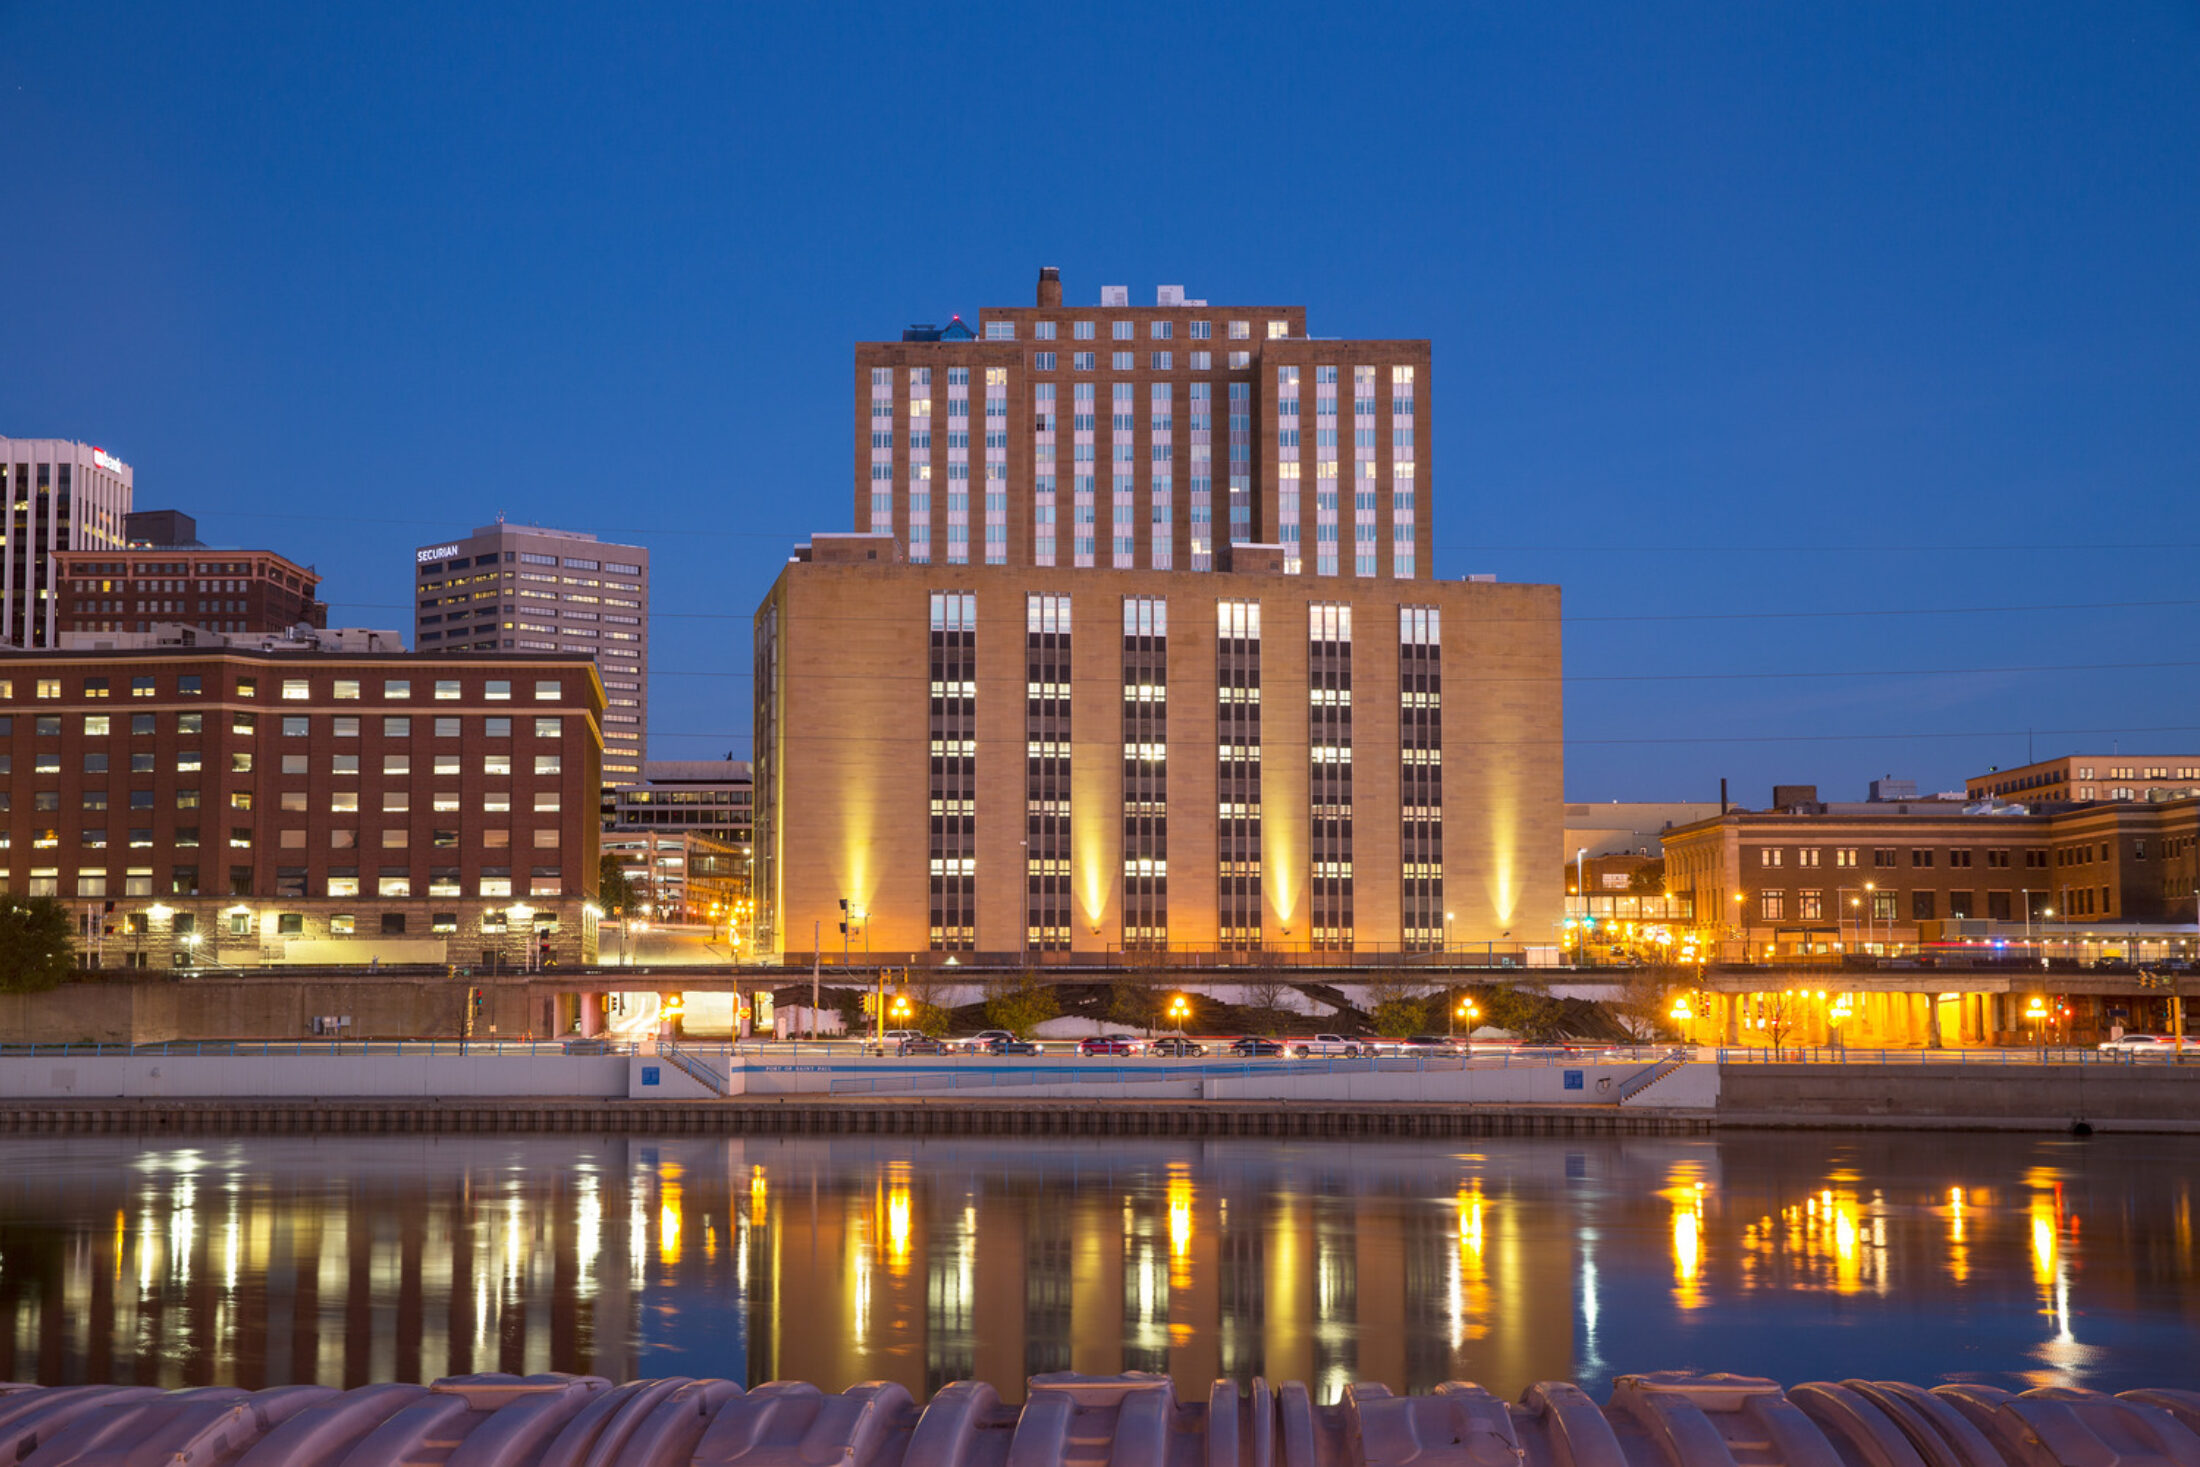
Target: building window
[(1145, 773), (952, 712), (1421, 774), (1049, 911), (1329, 776)]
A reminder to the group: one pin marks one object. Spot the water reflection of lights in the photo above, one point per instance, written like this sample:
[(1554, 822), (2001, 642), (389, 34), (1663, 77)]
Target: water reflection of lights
[(1685, 1193), (588, 1230), (1959, 1248), (759, 1197), (1180, 1225), (1469, 1293), (897, 1229), (2053, 1230)]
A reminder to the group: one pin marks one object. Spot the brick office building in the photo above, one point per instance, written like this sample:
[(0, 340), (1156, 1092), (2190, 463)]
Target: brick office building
[(2080, 777), (241, 808), (1137, 645), (1803, 884), (134, 590)]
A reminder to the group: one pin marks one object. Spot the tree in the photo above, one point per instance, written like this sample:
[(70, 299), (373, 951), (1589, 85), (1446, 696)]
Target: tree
[(1642, 999), (1535, 1017), (1134, 1003), (927, 1015), (1264, 999), (614, 893), (1397, 1007), (1021, 1005), (35, 945)]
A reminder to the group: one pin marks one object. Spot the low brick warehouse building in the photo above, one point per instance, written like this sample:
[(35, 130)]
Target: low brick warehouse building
[(219, 808)]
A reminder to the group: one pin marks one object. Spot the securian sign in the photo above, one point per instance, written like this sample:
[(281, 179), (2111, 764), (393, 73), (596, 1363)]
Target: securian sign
[(438, 553)]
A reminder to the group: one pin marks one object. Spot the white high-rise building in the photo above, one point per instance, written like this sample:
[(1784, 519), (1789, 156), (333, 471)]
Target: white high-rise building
[(60, 496), (526, 589)]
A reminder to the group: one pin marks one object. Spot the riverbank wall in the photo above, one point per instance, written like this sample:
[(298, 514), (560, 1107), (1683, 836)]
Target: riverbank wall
[(1953, 1096), (1036, 1118)]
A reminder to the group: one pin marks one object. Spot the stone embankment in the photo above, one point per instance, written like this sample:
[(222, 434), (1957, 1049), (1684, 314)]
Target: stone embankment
[(1665, 1420)]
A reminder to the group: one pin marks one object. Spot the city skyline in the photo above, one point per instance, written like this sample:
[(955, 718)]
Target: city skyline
[(1750, 366)]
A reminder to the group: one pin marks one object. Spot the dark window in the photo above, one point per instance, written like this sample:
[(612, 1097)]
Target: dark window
[(393, 924), (290, 881), (291, 924), (1921, 906), (183, 881)]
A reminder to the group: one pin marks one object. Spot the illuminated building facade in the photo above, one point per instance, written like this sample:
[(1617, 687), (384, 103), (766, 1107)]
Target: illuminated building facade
[(1034, 762), (1170, 676)]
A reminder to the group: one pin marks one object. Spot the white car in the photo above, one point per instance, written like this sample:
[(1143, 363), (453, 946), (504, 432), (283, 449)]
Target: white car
[(1330, 1045), (2141, 1044), (891, 1041)]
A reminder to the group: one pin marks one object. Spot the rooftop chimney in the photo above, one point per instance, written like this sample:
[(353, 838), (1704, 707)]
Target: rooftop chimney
[(1050, 285)]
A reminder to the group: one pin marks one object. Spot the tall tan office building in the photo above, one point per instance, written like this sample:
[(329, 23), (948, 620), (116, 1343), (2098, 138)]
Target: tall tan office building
[(1067, 691), (528, 590)]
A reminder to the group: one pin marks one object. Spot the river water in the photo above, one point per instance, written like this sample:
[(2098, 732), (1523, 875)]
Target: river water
[(261, 1261)]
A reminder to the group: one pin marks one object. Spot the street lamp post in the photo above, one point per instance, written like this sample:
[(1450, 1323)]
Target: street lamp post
[(1466, 1009), (1180, 1009)]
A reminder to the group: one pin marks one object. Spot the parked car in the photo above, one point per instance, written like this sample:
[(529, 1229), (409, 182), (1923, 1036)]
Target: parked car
[(982, 1042), (1176, 1046), (1330, 1045), (2141, 1044), (1010, 1044), (1253, 1045), (1108, 1044)]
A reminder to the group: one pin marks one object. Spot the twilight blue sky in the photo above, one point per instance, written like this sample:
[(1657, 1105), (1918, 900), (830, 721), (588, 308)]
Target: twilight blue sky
[(1751, 323)]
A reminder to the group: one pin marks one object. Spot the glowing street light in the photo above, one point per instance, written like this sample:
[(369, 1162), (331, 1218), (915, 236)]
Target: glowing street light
[(1180, 1009), (1466, 1009)]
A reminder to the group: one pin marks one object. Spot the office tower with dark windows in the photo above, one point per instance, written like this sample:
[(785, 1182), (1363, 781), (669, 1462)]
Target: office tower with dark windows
[(59, 496), (526, 589), (1136, 645)]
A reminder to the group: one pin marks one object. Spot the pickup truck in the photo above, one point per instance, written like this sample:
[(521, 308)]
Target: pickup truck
[(1329, 1045)]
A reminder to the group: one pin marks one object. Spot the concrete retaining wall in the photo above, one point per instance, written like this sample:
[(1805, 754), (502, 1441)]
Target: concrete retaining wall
[(2157, 1097), (318, 1076)]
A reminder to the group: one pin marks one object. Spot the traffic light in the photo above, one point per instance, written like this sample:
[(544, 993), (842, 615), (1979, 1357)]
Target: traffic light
[(870, 1005)]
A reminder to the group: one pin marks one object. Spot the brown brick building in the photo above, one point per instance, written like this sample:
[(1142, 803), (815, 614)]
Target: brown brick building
[(111, 590), (2081, 777), (240, 808), (1811, 884)]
